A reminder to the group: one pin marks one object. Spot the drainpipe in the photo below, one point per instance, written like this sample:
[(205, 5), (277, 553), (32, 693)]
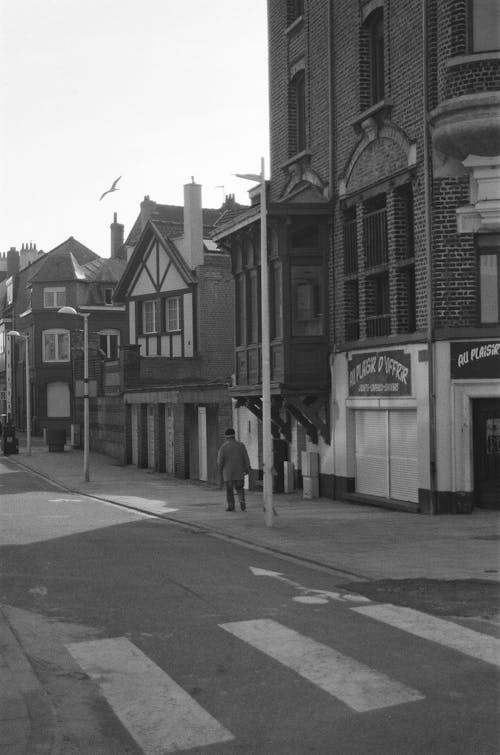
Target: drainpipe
[(430, 285)]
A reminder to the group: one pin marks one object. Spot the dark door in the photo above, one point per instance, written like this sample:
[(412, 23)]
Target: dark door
[(486, 439)]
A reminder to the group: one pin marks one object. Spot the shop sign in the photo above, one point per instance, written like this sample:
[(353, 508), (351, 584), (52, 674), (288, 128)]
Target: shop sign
[(380, 373), (475, 359)]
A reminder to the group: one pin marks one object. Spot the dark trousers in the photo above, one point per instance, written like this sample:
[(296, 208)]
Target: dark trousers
[(237, 485)]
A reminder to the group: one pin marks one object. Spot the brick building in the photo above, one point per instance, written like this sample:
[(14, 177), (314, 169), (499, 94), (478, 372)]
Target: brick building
[(385, 140)]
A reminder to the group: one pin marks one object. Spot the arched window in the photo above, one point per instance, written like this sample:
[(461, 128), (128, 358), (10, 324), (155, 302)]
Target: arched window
[(372, 71)]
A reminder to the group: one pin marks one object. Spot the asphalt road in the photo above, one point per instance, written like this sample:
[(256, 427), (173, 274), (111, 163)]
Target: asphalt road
[(151, 637)]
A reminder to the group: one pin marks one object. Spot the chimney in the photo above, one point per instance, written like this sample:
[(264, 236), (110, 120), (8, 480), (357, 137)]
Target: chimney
[(193, 224), (12, 261), (147, 209), (117, 235)]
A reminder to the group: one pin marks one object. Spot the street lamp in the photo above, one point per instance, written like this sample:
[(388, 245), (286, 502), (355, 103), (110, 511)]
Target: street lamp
[(267, 451), (85, 315), (16, 334)]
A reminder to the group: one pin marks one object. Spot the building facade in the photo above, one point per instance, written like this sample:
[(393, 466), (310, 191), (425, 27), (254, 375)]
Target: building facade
[(384, 151), (178, 291)]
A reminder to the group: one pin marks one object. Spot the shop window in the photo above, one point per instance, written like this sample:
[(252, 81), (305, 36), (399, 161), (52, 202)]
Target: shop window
[(484, 25), (54, 297), (297, 113), (307, 301), (55, 346), (489, 280)]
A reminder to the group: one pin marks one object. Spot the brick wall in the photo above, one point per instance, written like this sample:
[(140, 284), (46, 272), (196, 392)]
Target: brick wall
[(215, 317)]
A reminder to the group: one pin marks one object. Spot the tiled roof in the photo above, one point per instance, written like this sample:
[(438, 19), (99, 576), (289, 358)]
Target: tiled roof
[(105, 270), (174, 216), (64, 262)]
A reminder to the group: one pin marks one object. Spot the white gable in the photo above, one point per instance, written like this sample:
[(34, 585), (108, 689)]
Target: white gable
[(173, 280)]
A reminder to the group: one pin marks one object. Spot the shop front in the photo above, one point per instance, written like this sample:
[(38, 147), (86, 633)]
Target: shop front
[(475, 380)]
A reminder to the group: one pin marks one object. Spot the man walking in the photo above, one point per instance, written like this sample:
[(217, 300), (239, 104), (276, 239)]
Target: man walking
[(233, 464)]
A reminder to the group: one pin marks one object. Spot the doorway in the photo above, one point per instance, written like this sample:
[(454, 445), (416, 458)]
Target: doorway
[(486, 443)]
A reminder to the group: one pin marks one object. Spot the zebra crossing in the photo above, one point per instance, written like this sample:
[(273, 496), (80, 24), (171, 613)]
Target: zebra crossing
[(162, 717)]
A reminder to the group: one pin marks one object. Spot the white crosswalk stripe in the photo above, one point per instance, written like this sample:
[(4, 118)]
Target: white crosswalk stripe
[(157, 712), (358, 686), (454, 636)]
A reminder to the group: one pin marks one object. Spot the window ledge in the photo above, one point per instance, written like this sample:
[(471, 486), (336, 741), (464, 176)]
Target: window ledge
[(372, 116), (296, 158), (476, 57), (294, 25)]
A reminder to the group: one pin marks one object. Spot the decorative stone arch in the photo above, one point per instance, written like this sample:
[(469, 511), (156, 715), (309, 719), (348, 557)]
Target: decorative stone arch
[(372, 133)]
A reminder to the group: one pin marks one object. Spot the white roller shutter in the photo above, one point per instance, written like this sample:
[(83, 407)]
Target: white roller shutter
[(387, 454), (371, 453), (403, 463)]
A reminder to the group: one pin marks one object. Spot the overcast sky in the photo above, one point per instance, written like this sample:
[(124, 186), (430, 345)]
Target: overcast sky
[(155, 91)]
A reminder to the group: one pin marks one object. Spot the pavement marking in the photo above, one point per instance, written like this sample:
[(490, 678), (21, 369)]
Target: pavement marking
[(310, 595), (447, 633), (358, 686), (157, 712)]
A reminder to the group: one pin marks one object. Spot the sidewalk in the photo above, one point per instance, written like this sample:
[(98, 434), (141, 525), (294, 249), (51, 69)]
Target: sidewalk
[(358, 542), (361, 541)]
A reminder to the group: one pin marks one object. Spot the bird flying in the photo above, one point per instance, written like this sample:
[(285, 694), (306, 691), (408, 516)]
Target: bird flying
[(113, 188)]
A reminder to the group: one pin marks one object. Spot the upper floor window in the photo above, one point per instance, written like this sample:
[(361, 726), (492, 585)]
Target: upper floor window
[(151, 316), (173, 313), (484, 19), (2, 340), (109, 341), (10, 290), (489, 280), (55, 345), (372, 64), (108, 296), (54, 297), (375, 231), (297, 113), (307, 301), (295, 10)]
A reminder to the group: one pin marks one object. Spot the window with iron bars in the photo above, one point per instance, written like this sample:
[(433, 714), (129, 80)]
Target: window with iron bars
[(375, 231)]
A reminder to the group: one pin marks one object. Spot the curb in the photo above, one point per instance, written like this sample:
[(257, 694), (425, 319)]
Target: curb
[(36, 715), (208, 528)]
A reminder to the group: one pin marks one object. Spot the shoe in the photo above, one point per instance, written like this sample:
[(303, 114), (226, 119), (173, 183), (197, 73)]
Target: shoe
[(230, 509)]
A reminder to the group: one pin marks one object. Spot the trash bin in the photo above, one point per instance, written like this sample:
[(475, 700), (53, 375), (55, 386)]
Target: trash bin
[(10, 444), (56, 438)]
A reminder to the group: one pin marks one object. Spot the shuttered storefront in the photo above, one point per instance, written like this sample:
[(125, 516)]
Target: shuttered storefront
[(386, 454)]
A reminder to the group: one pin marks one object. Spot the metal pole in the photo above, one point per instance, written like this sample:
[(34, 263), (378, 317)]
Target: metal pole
[(267, 450), (28, 399), (85, 396)]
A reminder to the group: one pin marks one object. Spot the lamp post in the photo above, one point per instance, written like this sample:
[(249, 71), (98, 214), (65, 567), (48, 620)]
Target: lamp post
[(267, 451), (16, 334), (86, 429)]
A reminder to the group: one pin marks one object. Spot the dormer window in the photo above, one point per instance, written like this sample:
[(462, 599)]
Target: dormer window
[(54, 297), (108, 296)]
